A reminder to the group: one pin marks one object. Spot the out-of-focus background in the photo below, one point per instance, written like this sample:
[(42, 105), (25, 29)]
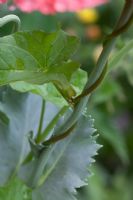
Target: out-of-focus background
[(111, 104)]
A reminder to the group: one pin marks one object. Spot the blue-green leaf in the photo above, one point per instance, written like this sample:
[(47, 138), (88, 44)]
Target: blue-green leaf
[(64, 166)]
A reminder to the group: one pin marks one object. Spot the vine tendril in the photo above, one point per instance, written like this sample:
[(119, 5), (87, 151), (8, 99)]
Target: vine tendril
[(11, 18)]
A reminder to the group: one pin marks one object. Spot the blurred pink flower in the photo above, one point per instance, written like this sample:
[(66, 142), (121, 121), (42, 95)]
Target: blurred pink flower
[(74, 5), (3, 1), (53, 6)]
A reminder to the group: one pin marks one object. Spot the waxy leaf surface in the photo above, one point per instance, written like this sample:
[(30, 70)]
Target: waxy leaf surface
[(19, 114)]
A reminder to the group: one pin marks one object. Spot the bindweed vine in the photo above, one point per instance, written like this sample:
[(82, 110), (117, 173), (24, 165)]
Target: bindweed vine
[(94, 80), (99, 71), (35, 64)]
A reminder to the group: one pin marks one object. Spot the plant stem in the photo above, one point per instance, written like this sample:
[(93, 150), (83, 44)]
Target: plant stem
[(98, 72), (52, 124), (70, 121), (40, 122), (79, 107), (125, 17), (59, 137), (93, 86), (41, 137)]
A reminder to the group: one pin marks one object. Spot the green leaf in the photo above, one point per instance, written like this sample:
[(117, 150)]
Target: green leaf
[(118, 58), (98, 187), (112, 134), (11, 133), (18, 109), (122, 61), (64, 165), (49, 92), (127, 68), (106, 91), (16, 190), (38, 57)]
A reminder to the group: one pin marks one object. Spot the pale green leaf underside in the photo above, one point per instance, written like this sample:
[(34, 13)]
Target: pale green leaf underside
[(49, 92)]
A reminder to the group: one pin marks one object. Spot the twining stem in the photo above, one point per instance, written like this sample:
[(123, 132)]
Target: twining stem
[(93, 86), (37, 139), (80, 106), (59, 137), (52, 124), (125, 17), (94, 79), (11, 18), (98, 72), (122, 29), (70, 121)]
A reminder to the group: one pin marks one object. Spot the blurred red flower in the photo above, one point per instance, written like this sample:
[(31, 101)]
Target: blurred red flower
[(53, 6), (3, 1)]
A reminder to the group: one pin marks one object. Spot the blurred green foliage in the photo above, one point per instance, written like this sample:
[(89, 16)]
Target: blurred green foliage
[(111, 104)]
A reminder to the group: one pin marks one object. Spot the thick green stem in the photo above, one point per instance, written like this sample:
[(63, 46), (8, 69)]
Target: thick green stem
[(11, 18)]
